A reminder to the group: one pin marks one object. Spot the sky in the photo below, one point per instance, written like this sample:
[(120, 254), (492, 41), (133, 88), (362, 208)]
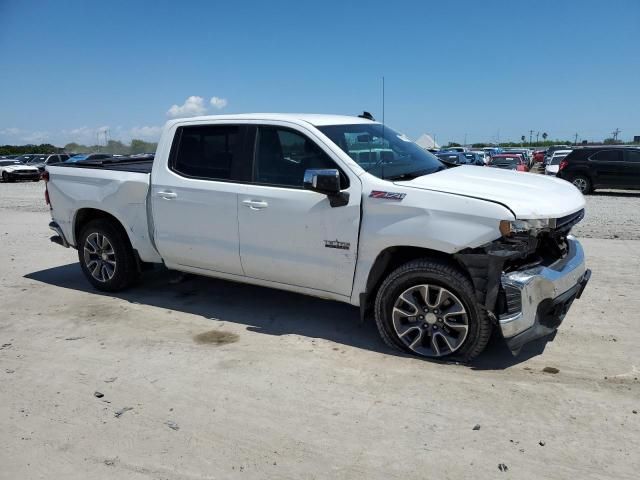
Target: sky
[(457, 69)]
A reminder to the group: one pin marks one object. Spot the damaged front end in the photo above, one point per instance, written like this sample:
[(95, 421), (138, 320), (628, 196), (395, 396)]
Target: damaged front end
[(528, 279)]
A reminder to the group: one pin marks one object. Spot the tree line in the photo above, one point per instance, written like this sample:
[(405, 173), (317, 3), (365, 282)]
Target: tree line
[(113, 146)]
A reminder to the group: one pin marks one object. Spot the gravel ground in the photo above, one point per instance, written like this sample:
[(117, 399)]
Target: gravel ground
[(212, 379), (611, 214)]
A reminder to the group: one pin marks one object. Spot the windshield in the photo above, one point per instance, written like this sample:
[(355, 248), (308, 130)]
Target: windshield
[(77, 158), (4, 163), (387, 155)]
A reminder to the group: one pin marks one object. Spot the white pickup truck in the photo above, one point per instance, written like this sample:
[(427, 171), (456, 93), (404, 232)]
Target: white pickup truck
[(338, 207)]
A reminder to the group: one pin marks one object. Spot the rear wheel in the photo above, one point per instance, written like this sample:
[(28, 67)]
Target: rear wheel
[(106, 256), (428, 308), (5, 177), (582, 183)]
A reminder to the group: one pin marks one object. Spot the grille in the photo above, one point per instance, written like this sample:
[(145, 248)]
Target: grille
[(564, 224)]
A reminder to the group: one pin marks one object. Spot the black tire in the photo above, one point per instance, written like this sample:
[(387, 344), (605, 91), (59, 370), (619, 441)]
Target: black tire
[(126, 269), (438, 274), (582, 183), (5, 177)]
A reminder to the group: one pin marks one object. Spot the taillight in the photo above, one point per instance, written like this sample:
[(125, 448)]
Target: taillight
[(563, 164), (45, 177)]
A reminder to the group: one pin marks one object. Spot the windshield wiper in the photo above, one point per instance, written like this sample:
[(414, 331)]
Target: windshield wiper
[(411, 175)]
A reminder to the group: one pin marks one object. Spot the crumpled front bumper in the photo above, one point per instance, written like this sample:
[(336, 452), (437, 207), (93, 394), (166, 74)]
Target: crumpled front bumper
[(538, 298)]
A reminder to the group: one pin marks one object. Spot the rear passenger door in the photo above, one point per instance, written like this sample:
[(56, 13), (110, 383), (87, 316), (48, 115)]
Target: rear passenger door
[(291, 235), (632, 159), (610, 168), (194, 198)]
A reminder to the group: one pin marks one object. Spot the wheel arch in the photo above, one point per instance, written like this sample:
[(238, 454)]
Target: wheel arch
[(84, 215), (391, 258)]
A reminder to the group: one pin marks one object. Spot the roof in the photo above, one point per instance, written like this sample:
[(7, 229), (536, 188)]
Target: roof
[(312, 118)]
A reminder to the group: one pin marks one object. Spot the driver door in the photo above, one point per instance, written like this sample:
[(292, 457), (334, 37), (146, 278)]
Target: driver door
[(291, 235)]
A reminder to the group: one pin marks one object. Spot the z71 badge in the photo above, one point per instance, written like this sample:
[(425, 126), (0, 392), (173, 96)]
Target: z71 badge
[(387, 195)]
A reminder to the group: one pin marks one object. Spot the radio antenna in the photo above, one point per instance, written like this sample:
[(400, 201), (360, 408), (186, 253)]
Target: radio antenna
[(382, 149)]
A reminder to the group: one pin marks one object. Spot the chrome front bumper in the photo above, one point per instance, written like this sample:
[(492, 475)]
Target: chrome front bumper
[(538, 298)]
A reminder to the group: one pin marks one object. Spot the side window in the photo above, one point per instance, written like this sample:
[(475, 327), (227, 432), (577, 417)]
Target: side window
[(283, 155), (206, 151), (633, 156), (607, 156), (53, 159)]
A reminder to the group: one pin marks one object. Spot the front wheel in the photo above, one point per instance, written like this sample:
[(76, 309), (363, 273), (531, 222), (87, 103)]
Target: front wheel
[(582, 183), (106, 256), (5, 177), (428, 308)]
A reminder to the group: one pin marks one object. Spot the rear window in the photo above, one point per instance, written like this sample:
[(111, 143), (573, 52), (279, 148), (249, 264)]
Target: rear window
[(205, 152)]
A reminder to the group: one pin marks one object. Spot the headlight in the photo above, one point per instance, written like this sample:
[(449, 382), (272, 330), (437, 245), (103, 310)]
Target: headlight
[(507, 227)]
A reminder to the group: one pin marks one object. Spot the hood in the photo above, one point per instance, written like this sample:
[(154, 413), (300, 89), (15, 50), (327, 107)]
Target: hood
[(527, 195), (13, 168)]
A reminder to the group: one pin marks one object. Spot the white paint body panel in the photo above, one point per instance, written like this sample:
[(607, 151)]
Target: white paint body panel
[(207, 228), (528, 195)]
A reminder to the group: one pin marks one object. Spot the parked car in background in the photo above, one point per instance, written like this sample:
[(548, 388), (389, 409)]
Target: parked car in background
[(453, 158), (455, 149), (589, 168), (81, 157), (7, 157), (554, 163), (483, 155), (538, 156), (526, 154), (509, 161), (41, 161), (492, 150), (474, 158), (549, 153), (26, 158), (12, 170)]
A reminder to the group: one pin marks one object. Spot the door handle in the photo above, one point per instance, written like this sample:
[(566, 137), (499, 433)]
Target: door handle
[(167, 195), (255, 204)]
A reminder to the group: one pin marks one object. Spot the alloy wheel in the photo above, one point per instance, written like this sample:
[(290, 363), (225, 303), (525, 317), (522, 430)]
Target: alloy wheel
[(99, 257), (580, 183), (430, 320)]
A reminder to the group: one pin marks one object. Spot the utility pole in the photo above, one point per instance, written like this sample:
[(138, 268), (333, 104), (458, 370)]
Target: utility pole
[(530, 135), (615, 134), (575, 141)]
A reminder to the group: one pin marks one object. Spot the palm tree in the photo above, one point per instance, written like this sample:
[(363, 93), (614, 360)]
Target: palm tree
[(544, 136), (523, 138)]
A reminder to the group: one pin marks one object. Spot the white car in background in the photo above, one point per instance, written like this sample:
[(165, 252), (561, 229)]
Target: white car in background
[(486, 158), (12, 170), (554, 164)]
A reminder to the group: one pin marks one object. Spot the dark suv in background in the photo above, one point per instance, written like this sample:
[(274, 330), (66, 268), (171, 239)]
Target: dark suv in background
[(589, 168)]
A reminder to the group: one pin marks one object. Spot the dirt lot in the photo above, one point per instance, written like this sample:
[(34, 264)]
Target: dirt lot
[(209, 379)]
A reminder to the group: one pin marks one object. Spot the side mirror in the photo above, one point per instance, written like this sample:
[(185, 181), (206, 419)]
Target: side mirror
[(326, 182), (322, 181)]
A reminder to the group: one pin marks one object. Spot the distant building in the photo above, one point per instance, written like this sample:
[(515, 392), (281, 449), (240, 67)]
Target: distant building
[(426, 141)]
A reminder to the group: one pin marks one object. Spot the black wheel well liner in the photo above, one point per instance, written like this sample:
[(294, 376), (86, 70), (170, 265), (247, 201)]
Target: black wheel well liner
[(391, 258), (483, 270), (86, 215)]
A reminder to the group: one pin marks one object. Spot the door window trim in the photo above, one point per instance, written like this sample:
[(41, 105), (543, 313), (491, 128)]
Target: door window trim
[(254, 158), (238, 171)]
